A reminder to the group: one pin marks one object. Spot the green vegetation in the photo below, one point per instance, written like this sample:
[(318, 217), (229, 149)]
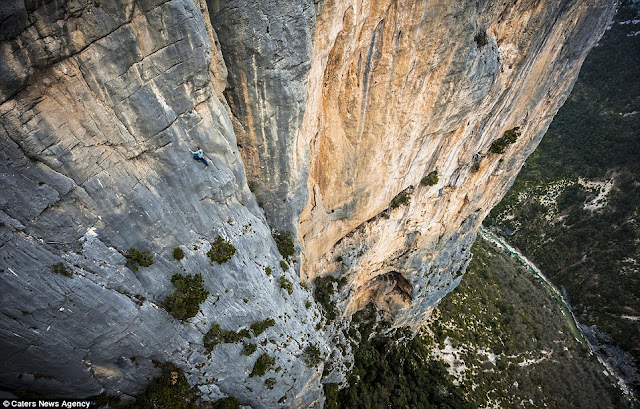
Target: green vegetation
[(312, 356), (284, 241), (171, 391), (221, 250), (401, 199), (392, 370), (227, 403), (323, 292), (59, 268), (501, 308), (249, 349), (185, 301), (481, 39), (262, 365), (261, 326), (268, 271), (509, 137), (138, 258), (431, 179), (592, 254), (270, 383), (217, 335), (283, 265), (178, 254), (286, 284)]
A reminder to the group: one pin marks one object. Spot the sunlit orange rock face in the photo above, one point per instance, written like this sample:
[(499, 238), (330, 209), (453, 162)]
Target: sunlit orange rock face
[(394, 91)]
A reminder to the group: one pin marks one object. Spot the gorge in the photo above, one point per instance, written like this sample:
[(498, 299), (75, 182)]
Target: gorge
[(365, 130)]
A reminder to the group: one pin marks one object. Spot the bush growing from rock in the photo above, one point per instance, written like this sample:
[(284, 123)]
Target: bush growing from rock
[(270, 383), (323, 292), (312, 357), (481, 39), (229, 402), (284, 241), (249, 349), (138, 258), (178, 254), (171, 391), (400, 199), (431, 179), (185, 301), (221, 250), (59, 268), (286, 284), (509, 137), (212, 338), (263, 363), (261, 326), (217, 335)]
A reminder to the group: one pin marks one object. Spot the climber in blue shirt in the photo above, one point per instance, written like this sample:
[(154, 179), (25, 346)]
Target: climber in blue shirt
[(198, 154)]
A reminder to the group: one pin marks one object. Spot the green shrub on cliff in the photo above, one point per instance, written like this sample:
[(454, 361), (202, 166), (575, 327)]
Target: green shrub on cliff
[(322, 294), (170, 391), (263, 363), (261, 326), (217, 335), (229, 402), (138, 258), (248, 349), (59, 268), (509, 137), (185, 301), (481, 39), (286, 284), (178, 254), (221, 250), (312, 356), (400, 199), (284, 241), (431, 179)]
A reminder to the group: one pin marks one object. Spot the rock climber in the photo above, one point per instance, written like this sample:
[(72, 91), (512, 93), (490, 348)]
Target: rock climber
[(198, 154)]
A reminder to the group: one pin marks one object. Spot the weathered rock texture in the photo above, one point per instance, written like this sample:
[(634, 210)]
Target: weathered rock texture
[(397, 90), (338, 107), (408, 88), (100, 105)]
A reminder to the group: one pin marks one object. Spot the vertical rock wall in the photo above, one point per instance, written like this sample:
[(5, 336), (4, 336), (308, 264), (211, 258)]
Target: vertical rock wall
[(395, 91), (401, 89), (269, 46), (99, 106), (339, 108)]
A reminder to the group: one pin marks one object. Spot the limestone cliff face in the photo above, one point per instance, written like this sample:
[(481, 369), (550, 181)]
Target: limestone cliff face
[(100, 106), (328, 109), (395, 91)]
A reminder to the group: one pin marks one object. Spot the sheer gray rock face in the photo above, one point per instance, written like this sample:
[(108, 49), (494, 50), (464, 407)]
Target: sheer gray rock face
[(269, 46), (337, 107), (101, 105)]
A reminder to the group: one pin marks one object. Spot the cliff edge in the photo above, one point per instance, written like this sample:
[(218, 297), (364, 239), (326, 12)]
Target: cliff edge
[(371, 131)]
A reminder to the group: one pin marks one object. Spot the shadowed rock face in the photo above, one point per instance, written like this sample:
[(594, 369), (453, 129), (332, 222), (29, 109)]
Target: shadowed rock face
[(339, 110)]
